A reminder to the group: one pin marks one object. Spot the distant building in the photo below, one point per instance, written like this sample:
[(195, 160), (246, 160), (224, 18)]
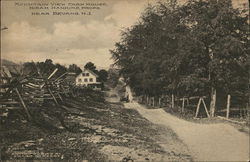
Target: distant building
[(88, 78)]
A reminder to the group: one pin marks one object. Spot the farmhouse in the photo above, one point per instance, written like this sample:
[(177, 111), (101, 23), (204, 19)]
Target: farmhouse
[(88, 79)]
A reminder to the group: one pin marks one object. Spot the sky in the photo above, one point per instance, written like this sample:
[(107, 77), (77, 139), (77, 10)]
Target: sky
[(66, 39)]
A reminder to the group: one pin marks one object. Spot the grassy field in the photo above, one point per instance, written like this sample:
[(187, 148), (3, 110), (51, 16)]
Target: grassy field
[(87, 128)]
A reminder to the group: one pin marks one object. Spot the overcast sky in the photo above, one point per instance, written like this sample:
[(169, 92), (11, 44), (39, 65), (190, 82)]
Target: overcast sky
[(66, 39)]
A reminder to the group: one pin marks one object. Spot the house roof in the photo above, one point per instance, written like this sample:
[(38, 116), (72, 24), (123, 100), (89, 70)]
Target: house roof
[(89, 72)]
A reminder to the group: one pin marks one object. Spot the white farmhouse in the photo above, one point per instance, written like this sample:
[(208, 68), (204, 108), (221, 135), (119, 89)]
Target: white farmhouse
[(87, 79)]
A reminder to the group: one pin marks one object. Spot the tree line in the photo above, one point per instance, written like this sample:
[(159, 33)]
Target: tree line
[(45, 68), (196, 49)]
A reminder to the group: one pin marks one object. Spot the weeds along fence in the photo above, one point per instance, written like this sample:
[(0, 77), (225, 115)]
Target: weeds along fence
[(18, 93), (227, 105)]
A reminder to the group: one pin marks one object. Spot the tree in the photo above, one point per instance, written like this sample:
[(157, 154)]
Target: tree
[(75, 69), (61, 70), (29, 68), (45, 68), (221, 31), (113, 77), (103, 75), (91, 66), (187, 50)]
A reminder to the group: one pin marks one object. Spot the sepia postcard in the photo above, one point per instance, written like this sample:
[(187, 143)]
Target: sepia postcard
[(124, 80)]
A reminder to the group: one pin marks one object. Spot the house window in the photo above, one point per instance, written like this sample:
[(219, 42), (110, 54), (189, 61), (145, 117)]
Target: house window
[(87, 74), (83, 74), (79, 80), (90, 79), (86, 80)]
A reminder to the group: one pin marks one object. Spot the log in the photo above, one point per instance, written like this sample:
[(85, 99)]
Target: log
[(50, 76)]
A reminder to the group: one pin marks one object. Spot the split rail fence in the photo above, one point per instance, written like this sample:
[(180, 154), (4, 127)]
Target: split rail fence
[(195, 104), (21, 92)]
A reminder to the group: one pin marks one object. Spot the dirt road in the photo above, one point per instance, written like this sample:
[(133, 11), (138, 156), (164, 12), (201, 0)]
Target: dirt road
[(206, 142)]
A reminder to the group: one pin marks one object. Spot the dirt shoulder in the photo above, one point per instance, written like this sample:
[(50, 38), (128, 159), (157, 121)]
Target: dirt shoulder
[(207, 142), (90, 129)]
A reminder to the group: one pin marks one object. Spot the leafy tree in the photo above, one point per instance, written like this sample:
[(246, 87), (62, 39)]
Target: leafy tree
[(46, 68), (43, 69), (61, 70), (91, 66), (188, 50), (74, 68), (103, 75), (29, 68), (221, 31)]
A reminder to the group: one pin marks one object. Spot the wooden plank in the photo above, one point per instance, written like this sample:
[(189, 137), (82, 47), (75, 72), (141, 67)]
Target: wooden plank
[(33, 85), (53, 73), (198, 108), (11, 108), (9, 102), (191, 98), (23, 104), (205, 107), (59, 96), (61, 76), (54, 98)]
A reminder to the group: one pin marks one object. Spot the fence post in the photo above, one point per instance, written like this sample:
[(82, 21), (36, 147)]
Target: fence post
[(198, 108), (183, 104), (172, 100), (23, 104), (205, 107), (228, 105)]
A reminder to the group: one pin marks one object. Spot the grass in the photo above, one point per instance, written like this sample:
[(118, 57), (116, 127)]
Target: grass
[(85, 128)]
